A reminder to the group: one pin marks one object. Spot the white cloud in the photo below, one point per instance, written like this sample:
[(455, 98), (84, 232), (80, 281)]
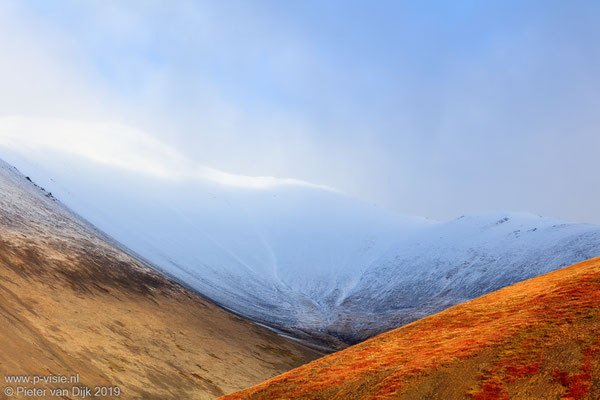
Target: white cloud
[(124, 147), (469, 113)]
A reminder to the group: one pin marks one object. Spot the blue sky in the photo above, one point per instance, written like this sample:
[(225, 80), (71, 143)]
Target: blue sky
[(434, 108)]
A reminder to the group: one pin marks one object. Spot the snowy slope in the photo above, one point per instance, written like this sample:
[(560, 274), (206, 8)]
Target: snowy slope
[(456, 261), (309, 258)]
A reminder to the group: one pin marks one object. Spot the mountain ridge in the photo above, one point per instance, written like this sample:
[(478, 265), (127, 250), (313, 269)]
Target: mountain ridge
[(309, 262)]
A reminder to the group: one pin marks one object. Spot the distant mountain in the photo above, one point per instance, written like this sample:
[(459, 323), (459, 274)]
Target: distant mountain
[(310, 262), (449, 263), (538, 339), (72, 301)]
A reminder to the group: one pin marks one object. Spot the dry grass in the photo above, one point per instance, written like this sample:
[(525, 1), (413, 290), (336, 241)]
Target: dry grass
[(70, 302), (537, 339)]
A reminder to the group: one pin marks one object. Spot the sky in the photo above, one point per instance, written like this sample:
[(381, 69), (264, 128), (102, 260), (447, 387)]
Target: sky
[(430, 108)]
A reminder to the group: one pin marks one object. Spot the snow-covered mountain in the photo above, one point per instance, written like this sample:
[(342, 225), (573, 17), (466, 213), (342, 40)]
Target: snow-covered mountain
[(449, 263), (302, 258)]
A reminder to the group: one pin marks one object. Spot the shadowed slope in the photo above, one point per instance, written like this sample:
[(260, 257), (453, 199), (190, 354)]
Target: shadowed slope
[(72, 303), (538, 339)]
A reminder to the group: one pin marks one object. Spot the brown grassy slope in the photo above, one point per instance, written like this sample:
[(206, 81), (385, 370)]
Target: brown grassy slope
[(70, 302), (538, 339)]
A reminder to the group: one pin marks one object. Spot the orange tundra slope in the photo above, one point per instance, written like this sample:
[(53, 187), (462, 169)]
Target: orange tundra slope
[(538, 339)]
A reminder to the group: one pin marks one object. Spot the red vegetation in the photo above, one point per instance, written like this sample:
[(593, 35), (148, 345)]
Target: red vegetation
[(492, 389), (579, 386), (518, 331)]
